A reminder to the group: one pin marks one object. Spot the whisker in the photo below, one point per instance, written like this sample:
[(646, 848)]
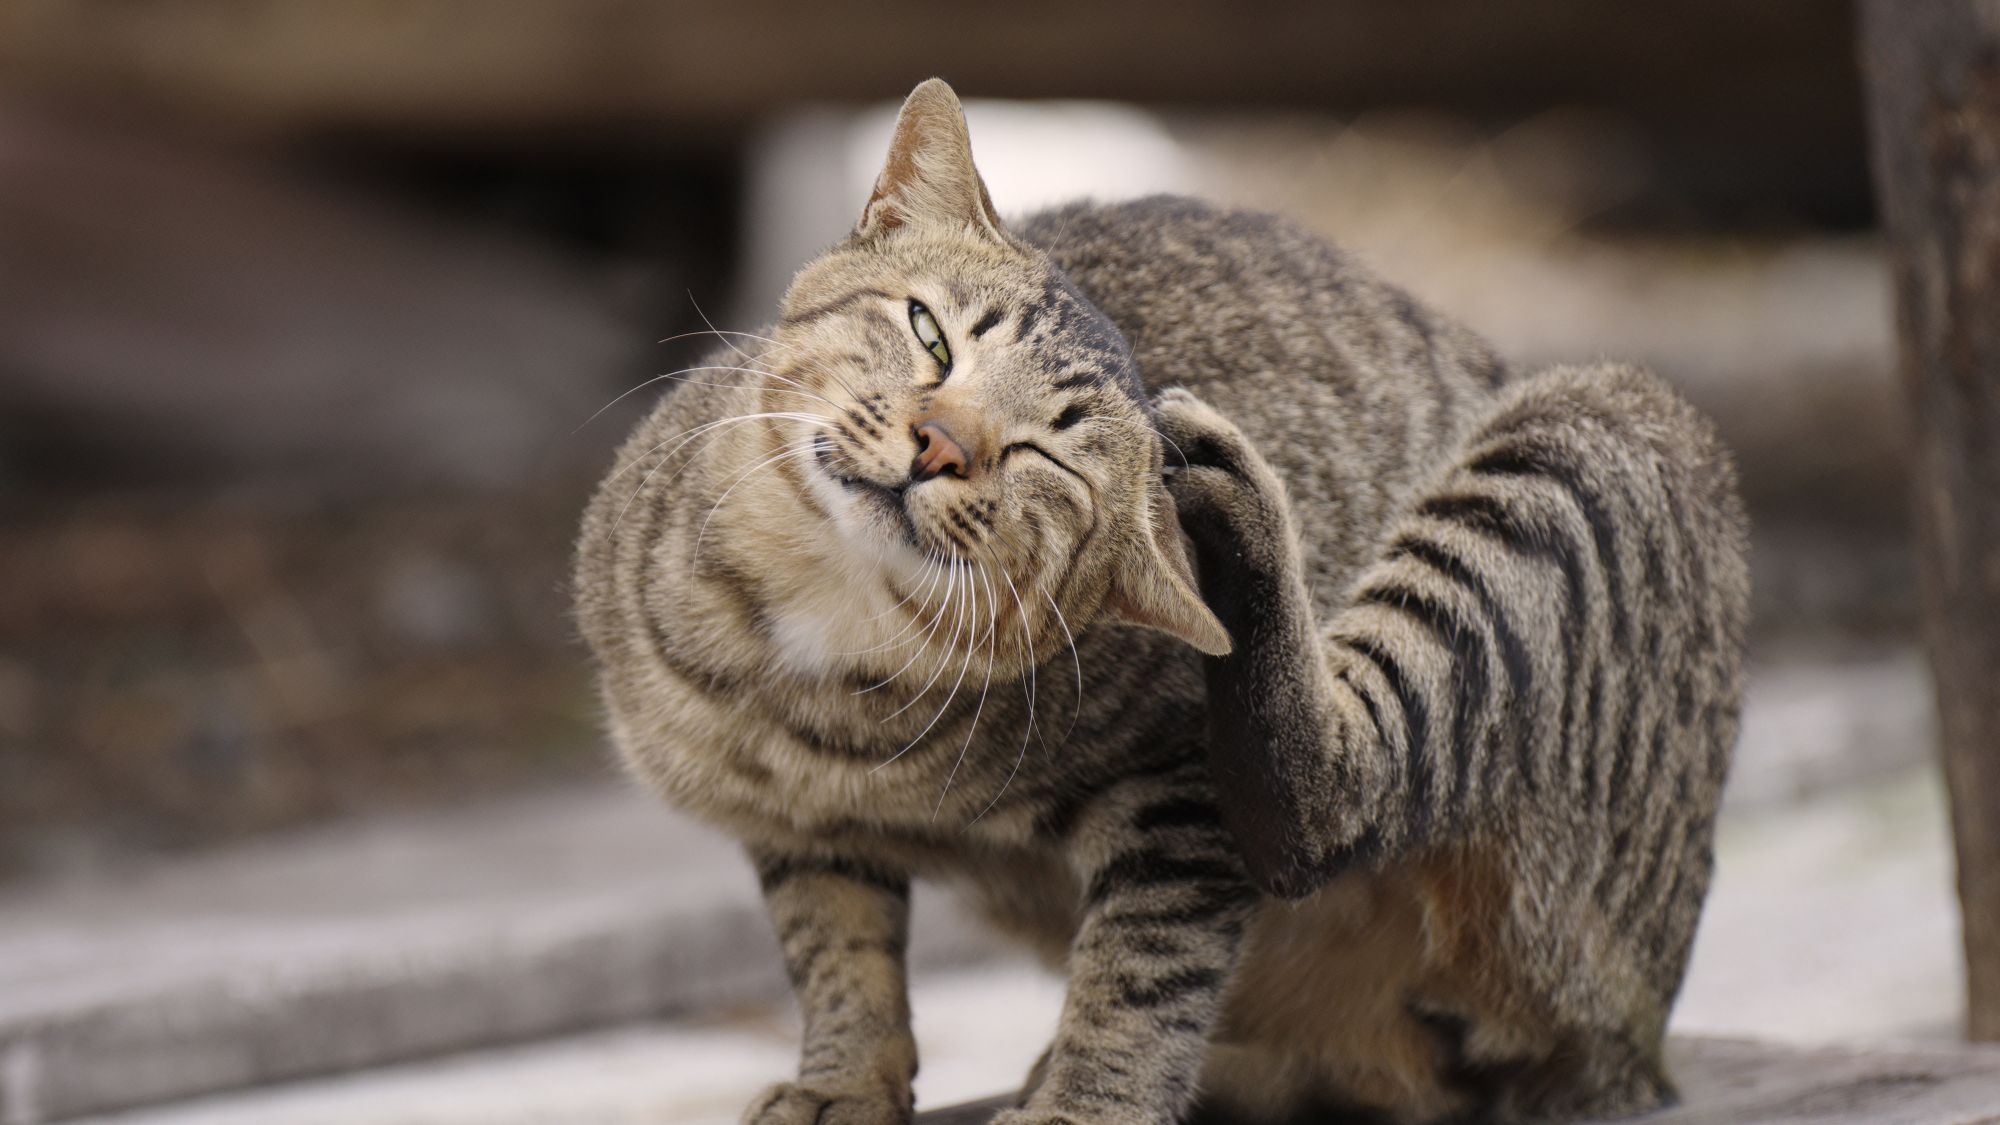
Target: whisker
[(1028, 731), (931, 566), (705, 428), (677, 374), (1151, 429), (770, 373), (936, 620), (680, 378), (1074, 660), (726, 342), (992, 627), (795, 449), (972, 593), (958, 627), (693, 432), (745, 355), (718, 332)]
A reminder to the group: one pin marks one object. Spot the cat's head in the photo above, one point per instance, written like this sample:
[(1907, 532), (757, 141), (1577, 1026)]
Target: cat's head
[(981, 416)]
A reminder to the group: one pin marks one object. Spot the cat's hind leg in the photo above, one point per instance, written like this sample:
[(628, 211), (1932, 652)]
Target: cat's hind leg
[(1545, 655), (1551, 631)]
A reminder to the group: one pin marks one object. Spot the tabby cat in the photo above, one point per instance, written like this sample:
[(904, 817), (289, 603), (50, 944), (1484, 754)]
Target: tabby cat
[(1350, 734)]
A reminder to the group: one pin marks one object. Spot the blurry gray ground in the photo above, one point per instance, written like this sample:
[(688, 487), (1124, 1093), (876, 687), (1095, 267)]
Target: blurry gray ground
[(1832, 919)]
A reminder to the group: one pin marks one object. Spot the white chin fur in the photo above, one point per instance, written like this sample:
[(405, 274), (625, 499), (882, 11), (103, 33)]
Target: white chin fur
[(875, 541), (840, 607)]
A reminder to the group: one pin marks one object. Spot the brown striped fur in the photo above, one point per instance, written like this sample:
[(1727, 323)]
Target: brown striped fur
[(1399, 802)]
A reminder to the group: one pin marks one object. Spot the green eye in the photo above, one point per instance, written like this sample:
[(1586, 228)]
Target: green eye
[(928, 333)]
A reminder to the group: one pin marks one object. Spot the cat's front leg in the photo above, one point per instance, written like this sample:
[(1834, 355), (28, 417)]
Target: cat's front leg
[(842, 925), (1164, 916)]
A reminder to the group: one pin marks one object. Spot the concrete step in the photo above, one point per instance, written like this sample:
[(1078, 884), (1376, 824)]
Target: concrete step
[(375, 942), (1739, 1081), (980, 1029)]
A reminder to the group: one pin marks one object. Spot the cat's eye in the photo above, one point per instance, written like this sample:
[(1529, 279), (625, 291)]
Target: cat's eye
[(929, 334)]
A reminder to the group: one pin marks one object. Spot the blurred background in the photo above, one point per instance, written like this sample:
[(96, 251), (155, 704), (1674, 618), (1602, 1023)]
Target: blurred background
[(307, 313)]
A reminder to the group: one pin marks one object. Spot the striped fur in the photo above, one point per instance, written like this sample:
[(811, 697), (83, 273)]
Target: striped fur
[(1396, 796)]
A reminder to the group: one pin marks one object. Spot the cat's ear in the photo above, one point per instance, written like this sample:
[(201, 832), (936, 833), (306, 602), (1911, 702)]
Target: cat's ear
[(928, 180), (1157, 589)]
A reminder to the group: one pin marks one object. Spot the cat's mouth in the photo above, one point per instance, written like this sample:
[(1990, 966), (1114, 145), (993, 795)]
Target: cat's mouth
[(882, 499)]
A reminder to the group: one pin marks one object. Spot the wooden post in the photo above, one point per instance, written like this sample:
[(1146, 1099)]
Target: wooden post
[(1932, 74)]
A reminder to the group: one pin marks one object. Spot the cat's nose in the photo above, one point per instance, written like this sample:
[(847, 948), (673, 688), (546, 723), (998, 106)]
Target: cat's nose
[(938, 452)]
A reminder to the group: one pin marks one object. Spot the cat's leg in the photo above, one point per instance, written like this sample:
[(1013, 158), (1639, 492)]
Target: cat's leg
[(1560, 610), (842, 926), (1164, 916), (1285, 732)]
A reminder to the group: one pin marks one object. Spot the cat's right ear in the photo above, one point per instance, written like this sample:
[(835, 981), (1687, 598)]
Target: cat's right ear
[(928, 180), (1155, 586)]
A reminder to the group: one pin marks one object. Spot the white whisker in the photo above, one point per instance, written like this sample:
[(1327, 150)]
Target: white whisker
[(1027, 731), (992, 627), (797, 449), (1074, 660), (726, 342), (965, 665), (958, 629), (931, 566), (746, 355), (951, 585), (679, 378), (685, 437), (1151, 429), (719, 332), (678, 375)]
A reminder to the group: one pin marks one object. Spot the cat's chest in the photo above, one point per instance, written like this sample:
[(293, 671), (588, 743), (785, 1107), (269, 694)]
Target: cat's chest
[(956, 785)]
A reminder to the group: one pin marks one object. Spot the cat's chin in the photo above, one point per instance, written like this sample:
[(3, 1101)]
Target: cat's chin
[(871, 521)]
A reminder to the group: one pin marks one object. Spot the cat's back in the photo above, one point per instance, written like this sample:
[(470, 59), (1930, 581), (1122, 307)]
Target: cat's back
[(1353, 390)]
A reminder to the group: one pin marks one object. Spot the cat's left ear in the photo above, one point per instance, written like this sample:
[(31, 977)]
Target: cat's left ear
[(1158, 589), (929, 181)]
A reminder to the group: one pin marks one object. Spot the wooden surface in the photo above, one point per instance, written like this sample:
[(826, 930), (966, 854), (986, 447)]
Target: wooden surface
[(525, 61), (1731, 1080), (1772, 114), (1933, 71)]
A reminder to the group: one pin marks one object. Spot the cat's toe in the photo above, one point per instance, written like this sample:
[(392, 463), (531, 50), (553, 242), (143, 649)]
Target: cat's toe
[(1030, 1117), (1197, 434), (789, 1103)]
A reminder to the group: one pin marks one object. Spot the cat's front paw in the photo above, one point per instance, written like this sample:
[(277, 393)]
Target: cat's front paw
[(792, 1103), (1034, 1117)]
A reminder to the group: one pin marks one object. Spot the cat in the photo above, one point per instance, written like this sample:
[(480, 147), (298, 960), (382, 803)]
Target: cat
[(1393, 794)]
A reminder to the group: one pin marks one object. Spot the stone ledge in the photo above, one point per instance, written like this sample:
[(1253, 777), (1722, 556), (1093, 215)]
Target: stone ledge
[(376, 942), (1736, 1080)]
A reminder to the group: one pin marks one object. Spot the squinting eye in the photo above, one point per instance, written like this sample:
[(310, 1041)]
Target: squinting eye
[(928, 333)]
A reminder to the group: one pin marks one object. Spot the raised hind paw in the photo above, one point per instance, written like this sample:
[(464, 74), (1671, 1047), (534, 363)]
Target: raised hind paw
[(1227, 494)]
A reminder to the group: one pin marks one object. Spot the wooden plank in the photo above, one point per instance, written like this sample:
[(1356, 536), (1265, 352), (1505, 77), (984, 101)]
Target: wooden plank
[(1933, 74), (1734, 1080), (1773, 116), (506, 60)]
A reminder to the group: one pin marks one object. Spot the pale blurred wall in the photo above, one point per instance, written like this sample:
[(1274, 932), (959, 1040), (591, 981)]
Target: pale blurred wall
[(304, 307)]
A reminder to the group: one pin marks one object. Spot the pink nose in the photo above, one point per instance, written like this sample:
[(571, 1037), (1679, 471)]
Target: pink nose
[(937, 453)]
